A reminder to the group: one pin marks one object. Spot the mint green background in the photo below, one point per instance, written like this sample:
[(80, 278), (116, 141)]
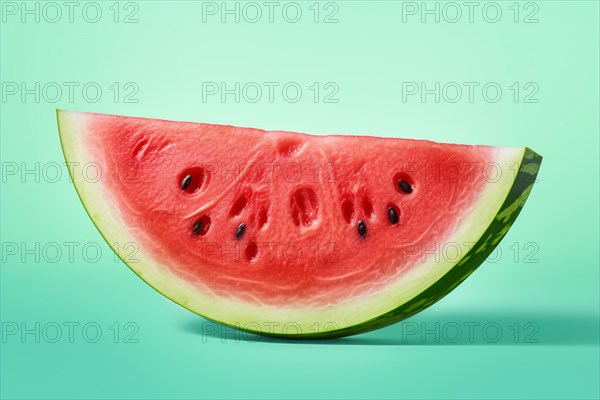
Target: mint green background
[(169, 53)]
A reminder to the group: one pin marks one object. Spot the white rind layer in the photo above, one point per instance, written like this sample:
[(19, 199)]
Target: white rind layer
[(275, 319)]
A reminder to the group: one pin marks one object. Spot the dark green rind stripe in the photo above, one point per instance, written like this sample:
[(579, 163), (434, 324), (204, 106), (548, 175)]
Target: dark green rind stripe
[(512, 206)]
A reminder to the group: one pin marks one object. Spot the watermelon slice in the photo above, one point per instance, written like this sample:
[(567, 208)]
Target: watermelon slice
[(288, 234)]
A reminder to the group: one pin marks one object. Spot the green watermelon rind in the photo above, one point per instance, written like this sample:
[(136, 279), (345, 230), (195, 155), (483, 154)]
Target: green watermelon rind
[(109, 226)]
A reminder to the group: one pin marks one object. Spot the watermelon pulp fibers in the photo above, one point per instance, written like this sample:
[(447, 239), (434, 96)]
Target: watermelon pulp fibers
[(289, 234)]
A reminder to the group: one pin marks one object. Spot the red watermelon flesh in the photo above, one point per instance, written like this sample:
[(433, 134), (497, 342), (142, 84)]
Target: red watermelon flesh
[(292, 224)]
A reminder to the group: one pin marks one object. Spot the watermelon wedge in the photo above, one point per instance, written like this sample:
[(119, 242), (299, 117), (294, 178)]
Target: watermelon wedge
[(288, 234)]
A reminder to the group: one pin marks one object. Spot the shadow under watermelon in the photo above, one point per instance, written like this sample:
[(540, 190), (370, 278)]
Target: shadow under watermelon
[(442, 329)]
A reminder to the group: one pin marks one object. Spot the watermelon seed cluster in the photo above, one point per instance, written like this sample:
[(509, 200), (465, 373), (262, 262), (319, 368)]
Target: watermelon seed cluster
[(404, 186), (304, 208)]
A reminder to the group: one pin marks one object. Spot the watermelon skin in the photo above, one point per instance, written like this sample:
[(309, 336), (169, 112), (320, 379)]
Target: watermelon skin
[(511, 206)]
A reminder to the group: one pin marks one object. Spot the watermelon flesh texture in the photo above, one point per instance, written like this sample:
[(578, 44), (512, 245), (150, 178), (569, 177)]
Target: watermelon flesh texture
[(289, 234)]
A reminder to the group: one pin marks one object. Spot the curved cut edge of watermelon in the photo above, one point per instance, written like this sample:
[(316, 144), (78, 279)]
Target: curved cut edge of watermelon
[(482, 230)]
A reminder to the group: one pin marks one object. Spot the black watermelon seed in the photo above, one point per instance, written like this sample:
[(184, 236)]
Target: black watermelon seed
[(186, 182), (392, 215), (197, 227), (362, 228), (405, 186), (239, 232)]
